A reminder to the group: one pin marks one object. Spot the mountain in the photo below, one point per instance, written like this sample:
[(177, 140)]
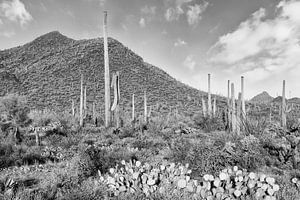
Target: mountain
[(48, 70), (263, 97)]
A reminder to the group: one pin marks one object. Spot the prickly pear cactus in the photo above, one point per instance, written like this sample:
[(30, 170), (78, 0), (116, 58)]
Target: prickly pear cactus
[(231, 183)]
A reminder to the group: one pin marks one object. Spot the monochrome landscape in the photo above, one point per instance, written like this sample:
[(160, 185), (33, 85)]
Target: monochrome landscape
[(158, 99)]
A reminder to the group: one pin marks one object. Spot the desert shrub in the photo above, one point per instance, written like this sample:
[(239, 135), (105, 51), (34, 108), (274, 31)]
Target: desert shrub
[(19, 155), (90, 159), (14, 112), (203, 158), (46, 117), (254, 126), (209, 124)]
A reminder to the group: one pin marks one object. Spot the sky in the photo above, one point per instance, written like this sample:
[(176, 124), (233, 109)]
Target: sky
[(257, 39)]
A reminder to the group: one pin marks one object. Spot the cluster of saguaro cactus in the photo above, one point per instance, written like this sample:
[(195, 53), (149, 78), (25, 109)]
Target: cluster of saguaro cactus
[(236, 111), (211, 109), (231, 183)]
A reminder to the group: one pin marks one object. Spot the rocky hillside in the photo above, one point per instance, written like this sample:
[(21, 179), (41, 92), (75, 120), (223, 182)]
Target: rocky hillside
[(263, 97), (48, 69)]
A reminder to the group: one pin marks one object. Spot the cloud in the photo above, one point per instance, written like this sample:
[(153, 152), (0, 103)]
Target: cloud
[(189, 62), (194, 13), (263, 48), (1, 22), (148, 10), (179, 43), (175, 11), (14, 10), (142, 23), (148, 14)]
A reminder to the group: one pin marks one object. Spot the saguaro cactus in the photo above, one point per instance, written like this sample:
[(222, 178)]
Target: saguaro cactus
[(283, 106), (243, 98), (238, 114), (133, 114), (233, 116), (145, 108), (106, 72), (204, 110), (209, 98), (116, 104), (214, 107), (81, 102), (84, 102), (228, 106), (73, 108)]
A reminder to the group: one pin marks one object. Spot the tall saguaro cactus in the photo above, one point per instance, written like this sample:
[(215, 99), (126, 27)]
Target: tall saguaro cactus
[(106, 73), (228, 106), (214, 107), (73, 108), (209, 98), (283, 106), (84, 102), (133, 111), (81, 102), (145, 108), (243, 98), (233, 116), (116, 104), (238, 114), (204, 110)]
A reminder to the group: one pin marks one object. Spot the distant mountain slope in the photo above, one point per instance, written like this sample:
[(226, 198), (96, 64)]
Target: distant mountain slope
[(263, 97), (47, 70)]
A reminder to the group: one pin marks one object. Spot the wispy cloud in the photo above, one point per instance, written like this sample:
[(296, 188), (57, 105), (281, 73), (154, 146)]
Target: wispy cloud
[(148, 14), (142, 23), (189, 62), (175, 11), (194, 13), (179, 42), (14, 10)]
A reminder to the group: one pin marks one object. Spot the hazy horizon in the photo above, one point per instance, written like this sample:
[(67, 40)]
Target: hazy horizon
[(257, 39)]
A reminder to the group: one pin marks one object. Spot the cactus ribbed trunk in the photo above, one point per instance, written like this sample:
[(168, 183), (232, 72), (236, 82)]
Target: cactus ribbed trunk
[(283, 107), (94, 112), (73, 108), (243, 98), (209, 98), (238, 114), (228, 106), (81, 103), (37, 138), (233, 115), (214, 107), (204, 110), (133, 111), (145, 107), (106, 73), (116, 103), (84, 103)]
